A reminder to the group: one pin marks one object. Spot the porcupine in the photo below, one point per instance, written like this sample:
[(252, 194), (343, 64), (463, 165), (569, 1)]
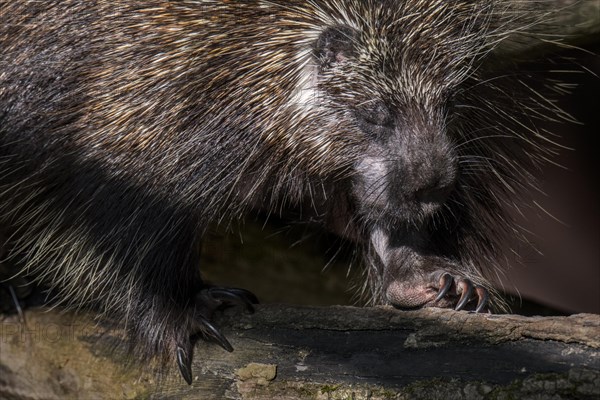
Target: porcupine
[(126, 128)]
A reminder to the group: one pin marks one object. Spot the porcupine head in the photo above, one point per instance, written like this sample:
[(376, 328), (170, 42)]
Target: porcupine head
[(393, 85)]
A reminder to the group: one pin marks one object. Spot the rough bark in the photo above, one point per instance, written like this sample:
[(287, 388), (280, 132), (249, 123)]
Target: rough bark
[(316, 353)]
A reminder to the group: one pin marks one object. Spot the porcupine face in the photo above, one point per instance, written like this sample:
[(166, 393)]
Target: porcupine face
[(394, 72)]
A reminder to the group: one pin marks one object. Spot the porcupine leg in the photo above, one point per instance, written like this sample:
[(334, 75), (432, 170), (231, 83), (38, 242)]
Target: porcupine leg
[(207, 300)]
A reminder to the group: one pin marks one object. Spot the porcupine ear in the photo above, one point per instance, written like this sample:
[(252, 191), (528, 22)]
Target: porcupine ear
[(335, 45)]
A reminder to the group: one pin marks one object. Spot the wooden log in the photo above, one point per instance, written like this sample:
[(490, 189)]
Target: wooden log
[(284, 352)]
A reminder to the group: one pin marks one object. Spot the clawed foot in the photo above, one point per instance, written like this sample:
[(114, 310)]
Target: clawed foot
[(209, 300), (439, 288), (450, 286)]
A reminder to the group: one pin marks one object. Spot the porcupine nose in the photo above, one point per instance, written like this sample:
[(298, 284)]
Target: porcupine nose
[(428, 178), (437, 191)]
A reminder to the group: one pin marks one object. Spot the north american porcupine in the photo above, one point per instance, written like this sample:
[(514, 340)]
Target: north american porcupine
[(127, 127)]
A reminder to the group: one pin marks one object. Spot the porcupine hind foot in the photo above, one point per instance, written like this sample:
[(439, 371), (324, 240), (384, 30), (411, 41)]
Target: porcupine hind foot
[(208, 300)]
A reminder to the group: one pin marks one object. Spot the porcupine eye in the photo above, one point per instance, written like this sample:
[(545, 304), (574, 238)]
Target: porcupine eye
[(375, 119), (335, 45)]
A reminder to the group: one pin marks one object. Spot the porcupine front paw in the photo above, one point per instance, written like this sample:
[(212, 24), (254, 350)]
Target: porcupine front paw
[(458, 292), (442, 287), (207, 301)]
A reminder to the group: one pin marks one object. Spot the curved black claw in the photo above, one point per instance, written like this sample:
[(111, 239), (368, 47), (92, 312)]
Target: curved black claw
[(184, 361), (212, 332), (185, 350), (235, 296), (467, 291), (248, 295), (445, 284), (483, 298)]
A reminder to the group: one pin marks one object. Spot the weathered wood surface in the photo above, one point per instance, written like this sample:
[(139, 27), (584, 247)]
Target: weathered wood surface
[(286, 352)]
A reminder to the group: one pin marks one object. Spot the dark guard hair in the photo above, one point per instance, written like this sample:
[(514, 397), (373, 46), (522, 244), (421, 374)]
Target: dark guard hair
[(126, 127)]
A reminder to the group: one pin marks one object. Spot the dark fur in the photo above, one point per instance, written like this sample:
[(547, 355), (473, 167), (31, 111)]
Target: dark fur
[(126, 127)]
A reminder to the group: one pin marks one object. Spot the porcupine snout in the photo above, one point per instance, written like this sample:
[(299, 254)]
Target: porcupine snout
[(407, 174)]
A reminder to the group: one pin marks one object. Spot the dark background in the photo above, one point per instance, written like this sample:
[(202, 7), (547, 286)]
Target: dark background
[(566, 275)]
